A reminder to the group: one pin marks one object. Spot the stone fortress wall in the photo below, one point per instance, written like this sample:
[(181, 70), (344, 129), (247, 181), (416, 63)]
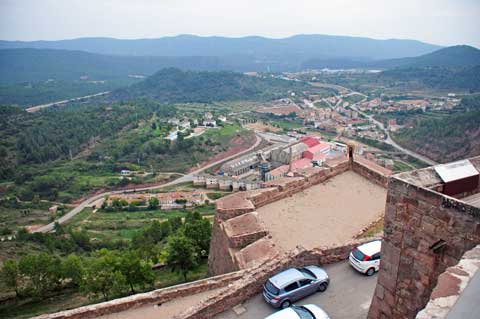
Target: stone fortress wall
[(425, 232), (240, 240)]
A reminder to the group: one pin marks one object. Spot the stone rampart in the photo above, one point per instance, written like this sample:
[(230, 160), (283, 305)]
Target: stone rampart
[(152, 297), (425, 232), (224, 253), (254, 278), (372, 171)]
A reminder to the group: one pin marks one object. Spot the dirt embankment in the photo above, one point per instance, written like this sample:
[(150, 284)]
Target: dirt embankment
[(236, 145)]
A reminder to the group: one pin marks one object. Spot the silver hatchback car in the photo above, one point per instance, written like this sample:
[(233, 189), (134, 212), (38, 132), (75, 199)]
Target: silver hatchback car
[(293, 284)]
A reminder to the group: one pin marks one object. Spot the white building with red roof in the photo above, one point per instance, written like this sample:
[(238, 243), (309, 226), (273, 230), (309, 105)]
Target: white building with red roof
[(321, 148)]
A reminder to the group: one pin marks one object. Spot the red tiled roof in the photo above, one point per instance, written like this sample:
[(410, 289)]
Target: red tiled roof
[(309, 141), (279, 170), (315, 150), (301, 163)]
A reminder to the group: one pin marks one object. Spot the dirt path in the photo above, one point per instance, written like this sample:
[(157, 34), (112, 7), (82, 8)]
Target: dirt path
[(325, 214)]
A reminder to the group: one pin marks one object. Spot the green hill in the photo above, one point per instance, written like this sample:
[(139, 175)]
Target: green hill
[(447, 139), (464, 78), (176, 86)]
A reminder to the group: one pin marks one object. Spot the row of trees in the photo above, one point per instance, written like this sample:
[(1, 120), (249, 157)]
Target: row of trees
[(180, 245)]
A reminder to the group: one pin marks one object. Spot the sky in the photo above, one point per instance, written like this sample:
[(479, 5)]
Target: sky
[(443, 22)]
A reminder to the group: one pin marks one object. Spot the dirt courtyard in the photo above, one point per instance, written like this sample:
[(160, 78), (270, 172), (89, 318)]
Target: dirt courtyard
[(326, 214)]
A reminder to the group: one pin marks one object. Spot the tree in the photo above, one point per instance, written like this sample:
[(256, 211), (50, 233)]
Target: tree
[(175, 223), (42, 270), (11, 275), (200, 232), (102, 275), (72, 268), (181, 255), (153, 203), (58, 229), (136, 271)]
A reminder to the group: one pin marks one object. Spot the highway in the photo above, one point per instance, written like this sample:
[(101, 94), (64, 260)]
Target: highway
[(42, 106), (348, 296), (185, 178)]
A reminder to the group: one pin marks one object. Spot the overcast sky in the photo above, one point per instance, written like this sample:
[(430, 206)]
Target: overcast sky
[(444, 22)]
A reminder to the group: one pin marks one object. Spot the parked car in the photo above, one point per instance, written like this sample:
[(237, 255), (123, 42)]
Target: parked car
[(293, 284), (366, 257), (300, 312)]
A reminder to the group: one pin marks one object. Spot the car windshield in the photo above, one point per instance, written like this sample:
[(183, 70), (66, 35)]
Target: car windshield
[(358, 254), (307, 273), (303, 312), (271, 288)]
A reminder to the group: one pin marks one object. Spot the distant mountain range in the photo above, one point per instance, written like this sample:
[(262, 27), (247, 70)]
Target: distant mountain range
[(264, 50), (216, 54)]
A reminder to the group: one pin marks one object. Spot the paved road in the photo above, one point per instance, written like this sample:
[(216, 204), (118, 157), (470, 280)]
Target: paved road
[(42, 106), (348, 296), (391, 142), (186, 178), (388, 140)]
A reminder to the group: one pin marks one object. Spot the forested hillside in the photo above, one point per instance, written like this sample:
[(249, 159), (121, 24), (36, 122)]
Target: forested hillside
[(452, 57), (30, 65), (35, 138), (176, 86), (448, 139), (464, 78)]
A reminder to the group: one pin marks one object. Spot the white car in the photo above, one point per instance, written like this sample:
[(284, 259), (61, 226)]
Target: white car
[(366, 258), (300, 312)]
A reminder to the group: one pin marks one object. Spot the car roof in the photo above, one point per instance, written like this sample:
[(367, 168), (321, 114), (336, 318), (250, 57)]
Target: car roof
[(287, 313), (318, 312), (286, 277), (371, 248)]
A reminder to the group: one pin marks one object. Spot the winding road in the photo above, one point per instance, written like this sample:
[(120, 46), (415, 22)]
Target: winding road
[(388, 140), (185, 178)]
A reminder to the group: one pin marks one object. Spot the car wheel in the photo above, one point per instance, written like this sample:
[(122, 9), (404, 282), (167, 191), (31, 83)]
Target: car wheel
[(370, 271), (322, 287), (285, 304)]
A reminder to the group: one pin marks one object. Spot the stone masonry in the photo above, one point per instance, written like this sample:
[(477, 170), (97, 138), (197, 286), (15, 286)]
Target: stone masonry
[(239, 240), (425, 232)]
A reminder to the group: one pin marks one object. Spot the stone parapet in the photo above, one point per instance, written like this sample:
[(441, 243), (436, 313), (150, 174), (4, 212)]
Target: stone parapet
[(372, 171), (451, 285), (224, 254), (254, 278), (243, 230), (152, 297)]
